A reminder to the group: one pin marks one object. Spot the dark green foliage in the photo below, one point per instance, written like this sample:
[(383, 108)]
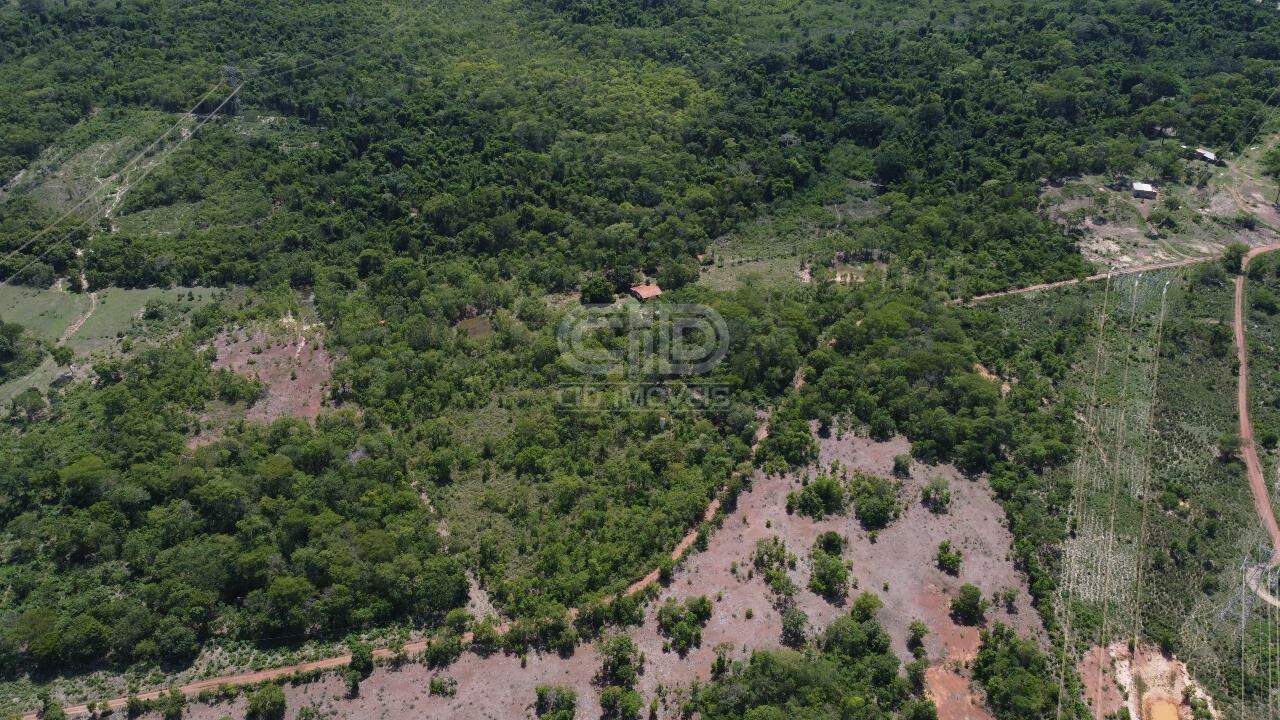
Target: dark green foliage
[(50, 709), (621, 661), (266, 703), (20, 353), (443, 686), (1016, 674), (789, 444), (818, 498), (171, 704), (1233, 257), (556, 702), (915, 638), (772, 560), (252, 537), (620, 703), (968, 607), (466, 163), (829, 577), (795, 627), (852, 673), (830, 542), (875, 501), (682, 623), (949, 558)]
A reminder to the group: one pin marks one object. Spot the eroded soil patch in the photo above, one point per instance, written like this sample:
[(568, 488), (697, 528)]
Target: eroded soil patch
[(290, 360), (1151, 686), (899, 567)]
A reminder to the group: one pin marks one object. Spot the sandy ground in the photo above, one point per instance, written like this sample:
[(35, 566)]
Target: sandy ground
[(899, 567), (1113, 678)]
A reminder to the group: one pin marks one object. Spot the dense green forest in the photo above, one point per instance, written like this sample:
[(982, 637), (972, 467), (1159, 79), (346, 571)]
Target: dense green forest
[(403, 167)]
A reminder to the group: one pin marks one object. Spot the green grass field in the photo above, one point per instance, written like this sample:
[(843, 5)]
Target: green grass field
[(49, 314)]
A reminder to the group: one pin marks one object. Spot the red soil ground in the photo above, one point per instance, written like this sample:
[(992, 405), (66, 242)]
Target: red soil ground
[(1249, 448), (903, 558), (295, 367)]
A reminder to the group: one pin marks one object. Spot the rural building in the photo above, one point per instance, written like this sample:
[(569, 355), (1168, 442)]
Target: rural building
[(1207, 155), (1144, 190), (645, 292)]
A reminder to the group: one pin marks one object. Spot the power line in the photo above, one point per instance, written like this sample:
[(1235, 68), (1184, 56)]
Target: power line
[(260, 73), (141, 154)]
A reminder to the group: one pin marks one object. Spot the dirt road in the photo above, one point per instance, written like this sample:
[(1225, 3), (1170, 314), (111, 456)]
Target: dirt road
[(1249, 449), (333, 663), (1099, 276)]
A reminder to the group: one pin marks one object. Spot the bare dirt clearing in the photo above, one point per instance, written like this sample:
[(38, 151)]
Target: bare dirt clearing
[(1117, 230), (289, 359), (1151, 686)]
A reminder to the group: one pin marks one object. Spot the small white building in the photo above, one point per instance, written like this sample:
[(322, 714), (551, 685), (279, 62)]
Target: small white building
[(1144, 190), (1208, 156)]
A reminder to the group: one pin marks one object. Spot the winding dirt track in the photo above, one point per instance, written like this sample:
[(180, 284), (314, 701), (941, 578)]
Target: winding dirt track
[(193, 689), (1257, 483), (1249, 449)]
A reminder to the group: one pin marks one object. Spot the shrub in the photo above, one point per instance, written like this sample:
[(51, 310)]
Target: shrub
[(866, 607), (442, 685), (821, 497), (829, 578), (916, 634), (666, 568), (621, 661), (948, 558), (902, 465), (361, 660), (1233, 257), (620, 703), (968, 608), (795, 625), (267, 703), (556, 702), (1015, 674), (830, 542), (682, 623), (936, 495), (170, 705), (875, 501)]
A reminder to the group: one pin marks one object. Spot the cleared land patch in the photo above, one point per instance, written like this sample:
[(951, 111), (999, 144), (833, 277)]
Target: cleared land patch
[(289, 358), (899, 567), (120, 318)]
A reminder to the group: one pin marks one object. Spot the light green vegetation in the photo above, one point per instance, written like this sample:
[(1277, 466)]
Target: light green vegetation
[(119, 319), (806, 233), (1158, 505), (87, 157), (46, 313)]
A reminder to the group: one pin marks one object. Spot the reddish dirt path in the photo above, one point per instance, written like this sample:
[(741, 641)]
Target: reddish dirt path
[(1249, 449), (1103, 276), (190, 690)]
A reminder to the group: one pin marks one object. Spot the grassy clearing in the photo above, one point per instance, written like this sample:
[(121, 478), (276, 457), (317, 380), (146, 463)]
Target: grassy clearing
[(46, 313), (116, 323), (775, 249), (87, 155)]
